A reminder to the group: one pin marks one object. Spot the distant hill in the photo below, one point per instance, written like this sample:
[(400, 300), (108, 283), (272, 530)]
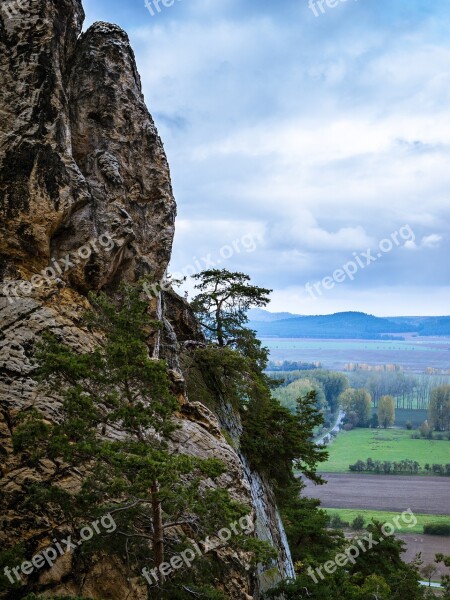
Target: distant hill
[(345, 325), (257, 314), (435, 326)]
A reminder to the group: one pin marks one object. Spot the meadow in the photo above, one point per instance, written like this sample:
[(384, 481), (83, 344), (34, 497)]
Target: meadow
[(379, 444), (349, 515)]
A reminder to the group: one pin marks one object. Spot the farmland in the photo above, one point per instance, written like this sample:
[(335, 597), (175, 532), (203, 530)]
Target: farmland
[(383, 493), (349, 515), (414, 354), (390, 445)]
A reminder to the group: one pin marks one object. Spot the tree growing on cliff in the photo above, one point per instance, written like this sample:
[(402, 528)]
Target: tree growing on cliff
[(116, 419), (274, 439), (223, 302), (386, 411)]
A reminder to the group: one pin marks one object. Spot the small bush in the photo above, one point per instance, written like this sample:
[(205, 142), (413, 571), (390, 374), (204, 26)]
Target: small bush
[(337, 523), (358, 523), (409, 425), (436, 529)]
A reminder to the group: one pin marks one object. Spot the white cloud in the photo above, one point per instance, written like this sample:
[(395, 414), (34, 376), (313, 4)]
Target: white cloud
[(321, 136), (428, 241), (431, 241)]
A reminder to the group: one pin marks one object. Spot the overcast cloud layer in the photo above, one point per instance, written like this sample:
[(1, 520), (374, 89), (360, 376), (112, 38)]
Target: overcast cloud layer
[(316, 137)]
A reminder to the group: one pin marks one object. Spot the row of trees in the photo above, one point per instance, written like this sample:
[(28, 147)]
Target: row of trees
[(387, 467), (409, 391), (357, 404), (328, 385), (332, 389), (411, 467)]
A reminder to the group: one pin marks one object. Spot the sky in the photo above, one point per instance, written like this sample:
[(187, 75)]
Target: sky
[(308, 148)]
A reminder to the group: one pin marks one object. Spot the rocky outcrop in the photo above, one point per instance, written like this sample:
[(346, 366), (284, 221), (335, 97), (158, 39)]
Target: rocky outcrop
[(79, 153), (86, 202)]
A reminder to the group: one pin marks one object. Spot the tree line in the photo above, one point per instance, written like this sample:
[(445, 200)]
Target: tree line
[(406, 466)]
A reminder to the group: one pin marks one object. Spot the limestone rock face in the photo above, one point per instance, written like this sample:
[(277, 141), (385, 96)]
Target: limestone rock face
[(86, 202), (80, 157)]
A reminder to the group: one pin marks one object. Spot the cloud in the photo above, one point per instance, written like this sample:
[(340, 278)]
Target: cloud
[(431, 241), (323, 135), (428, 241)]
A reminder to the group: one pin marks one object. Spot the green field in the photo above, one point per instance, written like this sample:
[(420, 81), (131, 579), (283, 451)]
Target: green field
[(384, 517), (378, 444)]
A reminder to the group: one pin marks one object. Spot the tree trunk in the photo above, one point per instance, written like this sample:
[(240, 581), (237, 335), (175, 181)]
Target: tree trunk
[(220, 338), (158, 528)]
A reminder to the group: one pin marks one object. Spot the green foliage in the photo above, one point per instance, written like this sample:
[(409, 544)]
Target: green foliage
[(406, 466), (223, 302), (436, 529), (149, 489), (357, 402), (439, 408), (378, 573), (327, 384), (386, 411), (358, 522), (334, 384), (10, 557), (445, 580), (336, 522), (306, 526), (375, 587), (288, 395), (273, 438), (385, 560)]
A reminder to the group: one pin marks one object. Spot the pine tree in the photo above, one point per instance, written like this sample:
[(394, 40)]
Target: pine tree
[(223, 302), (116, 420)]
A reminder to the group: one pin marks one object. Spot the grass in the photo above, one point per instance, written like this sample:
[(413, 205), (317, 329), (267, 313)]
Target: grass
[(378, 444), (383, 516)]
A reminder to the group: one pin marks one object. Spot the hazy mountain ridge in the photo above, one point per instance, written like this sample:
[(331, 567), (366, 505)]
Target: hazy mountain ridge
[(345, 325)]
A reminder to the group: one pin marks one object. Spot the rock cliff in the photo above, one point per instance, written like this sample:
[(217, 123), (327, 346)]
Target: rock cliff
[(85, 202)]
